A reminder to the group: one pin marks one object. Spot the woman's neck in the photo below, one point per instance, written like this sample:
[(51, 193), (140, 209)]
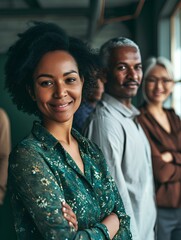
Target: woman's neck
[(61, 131), (160, 116), (155, 109)]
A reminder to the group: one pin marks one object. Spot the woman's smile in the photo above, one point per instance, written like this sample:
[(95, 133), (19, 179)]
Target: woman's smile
[(59, 107)]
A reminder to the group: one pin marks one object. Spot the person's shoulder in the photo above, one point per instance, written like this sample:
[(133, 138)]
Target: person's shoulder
[(102, 110), (25, 153), (27, 144), (142, 108), (95, 116), (170, 110), (2, 111), (172, 113), (95, 151), (144, 114), (3, 115), (90, 146)]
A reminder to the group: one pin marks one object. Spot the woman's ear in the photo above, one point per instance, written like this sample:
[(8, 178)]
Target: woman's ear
[(82, 79), (104, 75), (172, 87), (31, 93), (173, 84)]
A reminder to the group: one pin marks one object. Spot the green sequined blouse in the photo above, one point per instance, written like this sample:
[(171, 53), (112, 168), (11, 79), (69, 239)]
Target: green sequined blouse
[(42, 175)]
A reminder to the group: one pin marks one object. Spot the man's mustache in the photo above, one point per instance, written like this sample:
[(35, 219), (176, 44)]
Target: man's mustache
[(132, 82)]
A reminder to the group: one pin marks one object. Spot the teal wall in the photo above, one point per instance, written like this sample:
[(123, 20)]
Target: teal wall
[(20, 122)]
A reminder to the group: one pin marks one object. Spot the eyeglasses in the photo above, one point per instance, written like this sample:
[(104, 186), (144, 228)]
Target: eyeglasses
[(155, 80)]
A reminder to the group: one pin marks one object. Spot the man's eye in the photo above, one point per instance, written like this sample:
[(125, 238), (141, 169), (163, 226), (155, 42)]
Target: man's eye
[(121, 67), (139, 67)]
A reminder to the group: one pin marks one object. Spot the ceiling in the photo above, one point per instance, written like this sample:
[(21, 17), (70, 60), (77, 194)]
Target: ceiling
[(81, 18)]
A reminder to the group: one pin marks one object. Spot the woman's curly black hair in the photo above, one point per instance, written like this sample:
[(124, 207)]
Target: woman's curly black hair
[(26, 52)]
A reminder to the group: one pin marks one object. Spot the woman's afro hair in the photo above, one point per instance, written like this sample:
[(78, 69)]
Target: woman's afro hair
[(26, 52)]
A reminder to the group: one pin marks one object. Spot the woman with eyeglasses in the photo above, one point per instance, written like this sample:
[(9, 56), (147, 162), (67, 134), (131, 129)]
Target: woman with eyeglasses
[(163, 129)]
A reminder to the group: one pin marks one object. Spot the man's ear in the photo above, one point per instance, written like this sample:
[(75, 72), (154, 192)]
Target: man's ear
[(31, 93)]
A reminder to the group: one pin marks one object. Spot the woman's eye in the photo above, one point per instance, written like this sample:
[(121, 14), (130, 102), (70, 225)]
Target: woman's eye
[(70, 80), (151, 80), (46, 83), (166, 80)]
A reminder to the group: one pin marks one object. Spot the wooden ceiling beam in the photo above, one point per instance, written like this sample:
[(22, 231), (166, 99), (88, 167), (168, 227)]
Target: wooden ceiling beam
[(95, 13)]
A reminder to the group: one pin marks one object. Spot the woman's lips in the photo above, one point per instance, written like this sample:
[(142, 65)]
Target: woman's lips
[(60, 107)]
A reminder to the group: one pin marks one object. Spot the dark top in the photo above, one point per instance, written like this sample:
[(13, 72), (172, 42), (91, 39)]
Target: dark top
[(42, 174), (81, 115), (167, 175)]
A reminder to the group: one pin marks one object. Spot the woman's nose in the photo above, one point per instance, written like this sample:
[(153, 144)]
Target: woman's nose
[(60, 90), (159, 84)]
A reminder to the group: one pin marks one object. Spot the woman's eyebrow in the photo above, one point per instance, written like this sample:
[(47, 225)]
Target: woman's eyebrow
[(69, 72), (51, 76), (44, 75)]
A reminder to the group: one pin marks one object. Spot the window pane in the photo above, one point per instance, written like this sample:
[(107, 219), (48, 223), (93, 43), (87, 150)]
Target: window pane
[(176, 58)]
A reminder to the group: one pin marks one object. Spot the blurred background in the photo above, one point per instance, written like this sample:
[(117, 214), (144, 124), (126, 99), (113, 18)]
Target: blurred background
[(155, 25)]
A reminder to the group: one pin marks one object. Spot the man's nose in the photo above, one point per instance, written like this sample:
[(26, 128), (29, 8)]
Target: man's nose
[(132, 74)]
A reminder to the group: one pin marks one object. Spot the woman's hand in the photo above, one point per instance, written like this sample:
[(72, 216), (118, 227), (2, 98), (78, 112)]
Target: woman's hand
[(112, 223), (69, 215), (167, 157)]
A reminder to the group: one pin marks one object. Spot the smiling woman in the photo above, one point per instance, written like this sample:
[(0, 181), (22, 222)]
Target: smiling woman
[(163, 129), (59, 181)]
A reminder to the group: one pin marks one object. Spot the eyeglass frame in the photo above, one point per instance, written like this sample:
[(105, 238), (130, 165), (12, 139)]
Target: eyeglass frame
[(155, 80)]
